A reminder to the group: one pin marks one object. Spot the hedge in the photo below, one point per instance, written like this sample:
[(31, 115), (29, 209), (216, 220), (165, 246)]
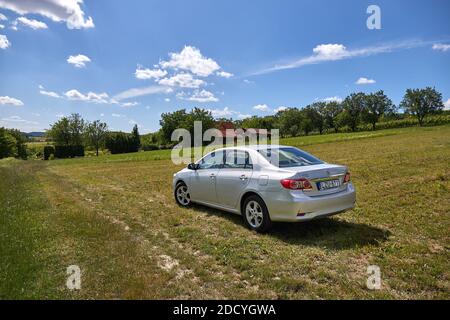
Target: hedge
[(69, 151), (48, 150)]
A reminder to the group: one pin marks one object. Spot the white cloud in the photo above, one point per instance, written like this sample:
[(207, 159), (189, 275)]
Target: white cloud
[(79, 60), (2, 26), (281, 108), (89, 97), (222, 113), (167, 100), (148, 74), (447, 104), (363, 80), (68, 11), (4, 42), (224, 74), (191, 59), (441, 47), (248, 81), (31, 23), (3, 17), (137, 92), (183, 80), (48, 93), (227, 113), (199, 96), (129, 104), (332, 99), (18, 119), (262, 107), (5, 100), (116, 115), (243, 116), (334, 52)]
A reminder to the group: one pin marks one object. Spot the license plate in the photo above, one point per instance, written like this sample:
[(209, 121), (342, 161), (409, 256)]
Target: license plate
[(329, 184)]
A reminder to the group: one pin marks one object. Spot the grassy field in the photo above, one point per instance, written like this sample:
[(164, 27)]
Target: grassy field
[(115, 217)]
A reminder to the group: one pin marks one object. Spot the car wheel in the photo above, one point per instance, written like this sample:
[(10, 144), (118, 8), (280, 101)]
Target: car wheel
[(255, 214), (182, 195)]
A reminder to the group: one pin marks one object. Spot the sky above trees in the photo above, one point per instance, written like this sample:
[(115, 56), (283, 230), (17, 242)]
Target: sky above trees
[(126, 63)]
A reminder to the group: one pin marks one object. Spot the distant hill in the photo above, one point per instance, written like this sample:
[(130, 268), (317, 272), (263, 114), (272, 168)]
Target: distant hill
[(35, 134)]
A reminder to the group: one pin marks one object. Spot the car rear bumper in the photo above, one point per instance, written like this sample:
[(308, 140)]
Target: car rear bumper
[(292, 206)]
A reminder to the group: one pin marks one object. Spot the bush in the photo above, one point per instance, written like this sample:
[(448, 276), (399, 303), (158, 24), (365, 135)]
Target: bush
[(48, 150), (69, 151), (149, 147), (120, 142), (12, 144)]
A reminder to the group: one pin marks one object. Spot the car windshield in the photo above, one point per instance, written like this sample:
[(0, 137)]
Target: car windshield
[(288, 157)]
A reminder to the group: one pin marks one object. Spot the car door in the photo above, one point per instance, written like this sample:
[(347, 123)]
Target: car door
[(203, 180), (233, 177)]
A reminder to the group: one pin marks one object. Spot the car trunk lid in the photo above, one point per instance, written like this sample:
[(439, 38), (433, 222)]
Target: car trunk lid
[(325, 178)]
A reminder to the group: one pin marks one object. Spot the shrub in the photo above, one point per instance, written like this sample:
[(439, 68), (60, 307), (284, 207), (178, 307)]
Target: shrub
[(120, 142), (48, 150), (149, 147), (69, 151)]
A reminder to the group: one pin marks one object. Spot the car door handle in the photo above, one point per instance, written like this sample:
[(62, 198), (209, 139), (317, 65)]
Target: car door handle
[(212, 175), (243, 177)]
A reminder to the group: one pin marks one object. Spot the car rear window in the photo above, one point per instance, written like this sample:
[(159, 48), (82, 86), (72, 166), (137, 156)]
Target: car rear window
[(289, 157)]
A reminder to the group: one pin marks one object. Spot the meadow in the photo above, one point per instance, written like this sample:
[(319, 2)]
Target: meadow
[(115, 217)]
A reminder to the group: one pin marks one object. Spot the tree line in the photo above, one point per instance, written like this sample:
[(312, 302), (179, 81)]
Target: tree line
[(358, 111), (71, 133), (355, 111)]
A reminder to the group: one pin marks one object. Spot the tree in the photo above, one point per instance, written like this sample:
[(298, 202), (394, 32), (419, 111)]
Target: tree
[(353, 106), (12, 143), (289, 122), (171, 121), (68, 130), (331, 113), (181, 119), (316, 114), (8, 144), (376, 105), (306, 121), (96, 133), (60, 132), (422, 102), (135, 139), (76, 129)]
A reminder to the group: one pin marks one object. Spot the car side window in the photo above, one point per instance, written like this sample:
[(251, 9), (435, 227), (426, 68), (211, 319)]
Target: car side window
[(238, 159), (214, 160)]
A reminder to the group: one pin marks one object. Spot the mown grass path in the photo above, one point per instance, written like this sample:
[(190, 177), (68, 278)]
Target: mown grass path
[(115, 217)]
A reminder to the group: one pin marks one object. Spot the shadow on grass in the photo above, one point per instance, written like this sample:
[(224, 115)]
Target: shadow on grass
[(330, 233)]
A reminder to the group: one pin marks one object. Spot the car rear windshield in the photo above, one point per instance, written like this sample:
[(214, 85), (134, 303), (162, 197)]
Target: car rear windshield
[(289, 157)]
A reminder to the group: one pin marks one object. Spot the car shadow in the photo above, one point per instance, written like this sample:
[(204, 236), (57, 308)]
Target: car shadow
[(331, 233)]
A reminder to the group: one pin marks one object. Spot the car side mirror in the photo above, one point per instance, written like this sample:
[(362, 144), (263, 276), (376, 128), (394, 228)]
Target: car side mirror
[(192, 166)]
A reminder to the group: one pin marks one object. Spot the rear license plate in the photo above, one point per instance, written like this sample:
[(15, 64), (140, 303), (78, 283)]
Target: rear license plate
[(329, 184)]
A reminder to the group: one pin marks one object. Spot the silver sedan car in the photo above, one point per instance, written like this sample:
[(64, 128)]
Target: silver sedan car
[(265, 184)]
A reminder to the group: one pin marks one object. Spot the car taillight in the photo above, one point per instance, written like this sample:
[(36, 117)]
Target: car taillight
[(347, 177), (296, 184)]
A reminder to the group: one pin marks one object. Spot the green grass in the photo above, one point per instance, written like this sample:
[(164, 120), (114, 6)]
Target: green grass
[(115, 217)]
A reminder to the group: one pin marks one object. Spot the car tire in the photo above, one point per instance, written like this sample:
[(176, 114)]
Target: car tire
[(255, 214), (181, 194)]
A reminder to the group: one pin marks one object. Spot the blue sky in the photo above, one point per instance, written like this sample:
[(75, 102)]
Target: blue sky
[(126, 62)]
